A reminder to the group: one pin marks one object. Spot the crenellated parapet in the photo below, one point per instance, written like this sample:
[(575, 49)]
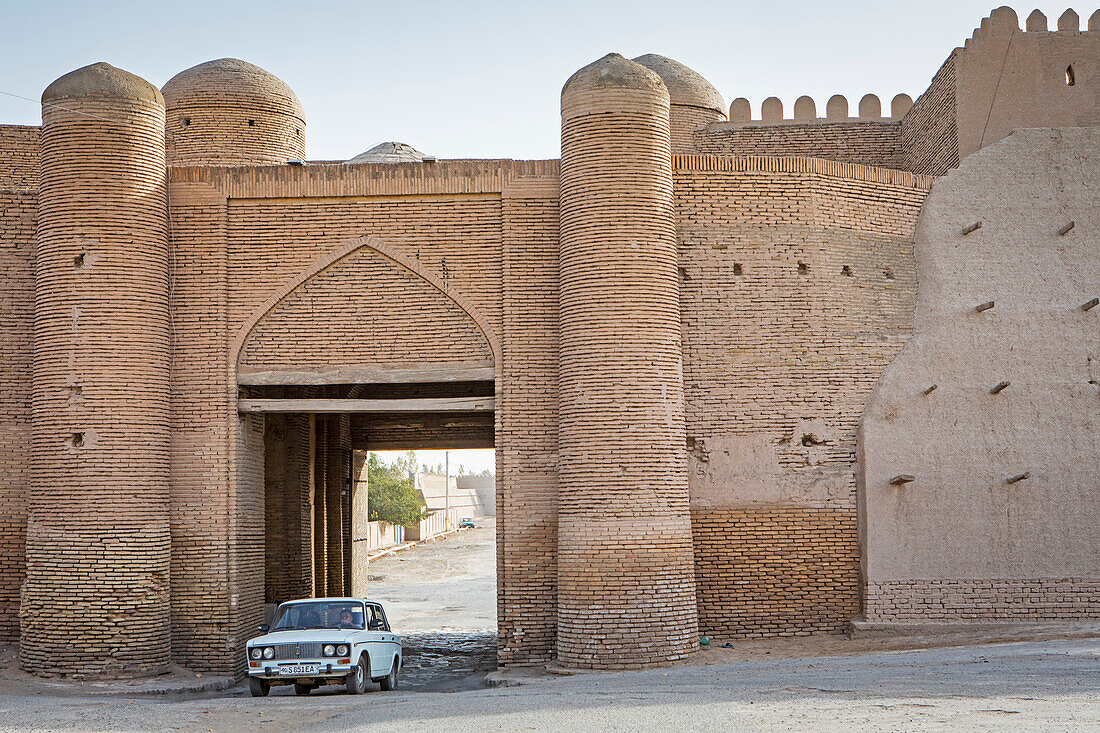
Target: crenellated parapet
[(837, 109)]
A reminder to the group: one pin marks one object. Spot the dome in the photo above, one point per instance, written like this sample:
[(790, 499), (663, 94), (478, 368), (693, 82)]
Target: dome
[(685, 86), (390, 152), (231, 112), (102, 80), (613, 71), (232, 82)]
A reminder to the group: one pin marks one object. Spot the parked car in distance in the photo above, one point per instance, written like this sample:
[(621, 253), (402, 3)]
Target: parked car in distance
[(466, 522), (324, 641)]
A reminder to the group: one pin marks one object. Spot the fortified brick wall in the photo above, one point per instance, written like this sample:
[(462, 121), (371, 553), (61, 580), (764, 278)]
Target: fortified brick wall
[(870, 143), (929, 134), (979, 445), (796, 293)]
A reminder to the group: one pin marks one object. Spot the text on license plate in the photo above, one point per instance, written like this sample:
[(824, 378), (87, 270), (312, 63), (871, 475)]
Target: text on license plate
[(299, 669)]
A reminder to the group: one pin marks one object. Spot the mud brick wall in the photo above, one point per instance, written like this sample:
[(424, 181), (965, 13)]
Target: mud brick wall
[(868, 143), (964, 517), (797, 285), (18, 220), (929, 132)]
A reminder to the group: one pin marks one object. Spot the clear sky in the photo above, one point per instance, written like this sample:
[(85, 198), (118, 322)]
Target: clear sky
[(482, 78)]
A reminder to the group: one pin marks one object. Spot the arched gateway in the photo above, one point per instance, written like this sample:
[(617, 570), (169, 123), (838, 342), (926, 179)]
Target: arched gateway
[(696, 345)]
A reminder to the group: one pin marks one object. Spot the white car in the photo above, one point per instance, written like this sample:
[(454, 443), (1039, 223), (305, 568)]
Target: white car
[(324, 641)]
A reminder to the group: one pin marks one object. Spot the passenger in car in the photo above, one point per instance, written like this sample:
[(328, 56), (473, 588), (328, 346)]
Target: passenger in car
[(346, 621)]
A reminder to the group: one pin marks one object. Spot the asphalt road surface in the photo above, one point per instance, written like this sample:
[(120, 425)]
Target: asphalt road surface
[(1034, 686)]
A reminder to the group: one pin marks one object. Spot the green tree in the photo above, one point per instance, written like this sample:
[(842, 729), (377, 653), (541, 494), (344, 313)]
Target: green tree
[(391, 496)]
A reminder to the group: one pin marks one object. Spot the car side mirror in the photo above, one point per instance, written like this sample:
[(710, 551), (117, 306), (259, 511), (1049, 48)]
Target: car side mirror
[(374, 624), (264, 628)]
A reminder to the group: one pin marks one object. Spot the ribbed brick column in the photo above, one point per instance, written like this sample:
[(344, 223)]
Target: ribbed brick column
[(231, 112), (626, 589), (95, 600)]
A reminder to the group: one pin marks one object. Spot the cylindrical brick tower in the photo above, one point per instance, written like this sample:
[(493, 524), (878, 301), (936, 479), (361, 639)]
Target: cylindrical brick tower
[(694, 101), (626, 588), (95, 599), (230, 112)]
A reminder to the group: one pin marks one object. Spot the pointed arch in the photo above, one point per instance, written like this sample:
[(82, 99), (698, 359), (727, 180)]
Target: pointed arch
[(342, 253)]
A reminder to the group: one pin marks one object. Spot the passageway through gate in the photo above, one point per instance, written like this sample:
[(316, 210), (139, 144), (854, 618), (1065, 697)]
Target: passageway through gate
[(319, 538)]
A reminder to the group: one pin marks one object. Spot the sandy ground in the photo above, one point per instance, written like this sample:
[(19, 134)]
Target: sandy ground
[(447, 584)]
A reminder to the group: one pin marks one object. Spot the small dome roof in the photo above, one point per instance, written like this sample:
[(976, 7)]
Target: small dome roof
[(614, 71), (232, 80), (390, 152), (685, 86), (102, 80)]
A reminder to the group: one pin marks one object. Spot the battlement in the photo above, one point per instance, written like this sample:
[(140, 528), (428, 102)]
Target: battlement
[(1004, 21), (805, 110)]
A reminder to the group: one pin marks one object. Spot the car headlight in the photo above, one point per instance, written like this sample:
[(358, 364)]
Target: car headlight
[(255, 652), (269, 652), (342, 650), (329, 650)]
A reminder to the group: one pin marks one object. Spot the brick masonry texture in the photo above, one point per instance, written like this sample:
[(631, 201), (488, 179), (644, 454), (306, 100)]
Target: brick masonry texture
[(95, 598), (683, 324), (626, 591), (982, 600), (870, 143), (776, 570), (20, 154), (229, 112), (797, 291)]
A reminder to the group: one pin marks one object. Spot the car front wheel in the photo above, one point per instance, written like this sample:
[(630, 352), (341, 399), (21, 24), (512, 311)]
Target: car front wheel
[(389, 682), (357, 678), (258, 687)]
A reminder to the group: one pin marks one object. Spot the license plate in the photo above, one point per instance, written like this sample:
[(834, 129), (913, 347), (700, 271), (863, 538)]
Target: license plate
[(299, 670)]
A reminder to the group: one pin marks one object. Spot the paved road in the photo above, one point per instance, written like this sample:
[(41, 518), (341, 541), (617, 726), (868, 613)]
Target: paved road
[(1039, 686)]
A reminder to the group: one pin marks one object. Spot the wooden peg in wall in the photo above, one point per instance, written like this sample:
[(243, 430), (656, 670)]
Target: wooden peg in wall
[(1090, 305), (984, 306), (1018, 477), (1066, 229), (972, 228), (999, 387), (930, 390), (901, 479)]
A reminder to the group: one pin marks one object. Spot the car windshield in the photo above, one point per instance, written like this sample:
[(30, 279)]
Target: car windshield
[(319, 615)]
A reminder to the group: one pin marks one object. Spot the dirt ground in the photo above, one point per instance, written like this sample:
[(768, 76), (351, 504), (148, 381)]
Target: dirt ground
[(442, 585)]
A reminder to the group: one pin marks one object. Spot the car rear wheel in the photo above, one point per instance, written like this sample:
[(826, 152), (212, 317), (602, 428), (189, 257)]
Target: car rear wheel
[(300, 689), (258, 687), (389, 682), (356, 681)]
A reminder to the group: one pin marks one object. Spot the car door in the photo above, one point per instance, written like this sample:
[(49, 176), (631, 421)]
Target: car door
[(383, 641)]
